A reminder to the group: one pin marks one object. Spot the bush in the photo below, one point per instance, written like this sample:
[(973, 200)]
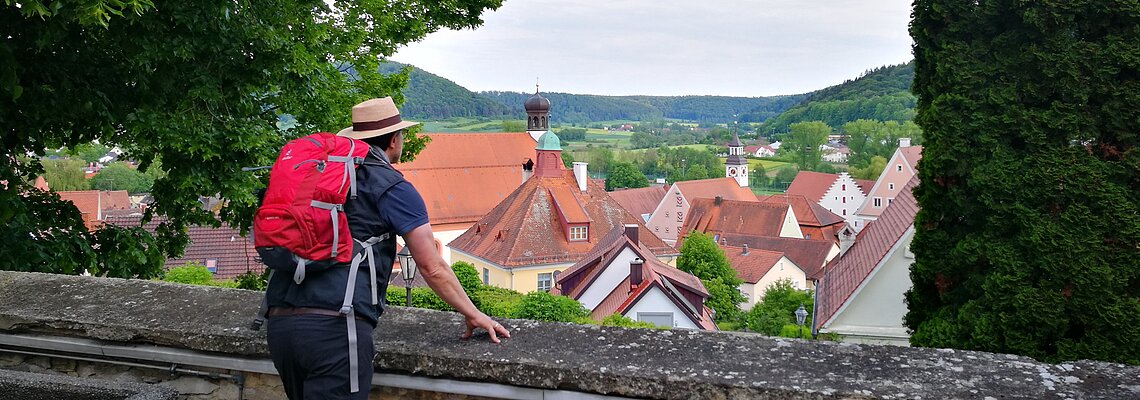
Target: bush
[(421, 298), (252, 281), (765, 320), (794, 331), (192, 273), (497, 302), (468, 276), (626, 322), (542, 306)]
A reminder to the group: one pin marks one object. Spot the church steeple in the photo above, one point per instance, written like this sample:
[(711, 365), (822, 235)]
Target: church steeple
[(549, 155), (537, 114), (735, 166)]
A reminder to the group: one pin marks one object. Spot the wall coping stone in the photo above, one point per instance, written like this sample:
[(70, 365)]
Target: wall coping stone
[(16, 385), (642, 363)]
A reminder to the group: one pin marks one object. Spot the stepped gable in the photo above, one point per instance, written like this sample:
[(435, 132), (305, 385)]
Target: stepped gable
[(525, 228), (641, 201), (462, 176), (732, 216), (843, 275)]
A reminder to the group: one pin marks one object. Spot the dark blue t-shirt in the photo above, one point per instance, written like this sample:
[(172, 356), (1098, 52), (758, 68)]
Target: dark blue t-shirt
[(379, 206)]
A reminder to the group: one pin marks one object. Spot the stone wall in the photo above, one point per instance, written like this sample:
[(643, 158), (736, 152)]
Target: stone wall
[(421, 349)]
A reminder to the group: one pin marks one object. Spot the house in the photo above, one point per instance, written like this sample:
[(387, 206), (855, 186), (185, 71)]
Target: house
[(902, 166), (760, 151), (717, 215), (760, 269), (640, 201), (222, 250), (620, 275), (837, 154), (809, 255), (93, 203), (669, 215), (816, 222), (545, 226), (861, 296), (462, 176), (839, 193)]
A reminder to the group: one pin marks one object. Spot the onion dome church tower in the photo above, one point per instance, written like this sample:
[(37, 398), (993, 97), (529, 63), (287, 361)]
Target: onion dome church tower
[(537, 115), (735, 166)]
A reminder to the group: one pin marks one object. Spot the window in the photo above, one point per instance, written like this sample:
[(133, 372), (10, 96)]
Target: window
[(545, 281), (578, 233), (899, 167), (843, 187), (486, 276), (844, 199), (889, 200), (878, 203), (844, 211), (664, 319), (891, 186)]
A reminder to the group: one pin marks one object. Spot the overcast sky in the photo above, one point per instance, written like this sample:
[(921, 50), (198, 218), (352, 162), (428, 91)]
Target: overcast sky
[(669, 47)]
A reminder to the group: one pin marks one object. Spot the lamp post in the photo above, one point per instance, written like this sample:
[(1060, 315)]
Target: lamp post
[(801, 315), (408, 269)]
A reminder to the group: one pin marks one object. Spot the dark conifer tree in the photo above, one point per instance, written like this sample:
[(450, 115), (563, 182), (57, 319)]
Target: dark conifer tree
[(1028, 238)]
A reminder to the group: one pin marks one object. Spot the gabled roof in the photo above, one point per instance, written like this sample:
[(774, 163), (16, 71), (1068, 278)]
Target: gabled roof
[(639, 201), (865, 185), (742, 217), (816, 222), (232, 253), (726, 188), (843, 275), (911, 154), (751, 267), (462, 176), (812, 185), (91, 203), (685, 290), (809, 255), (524, 229)]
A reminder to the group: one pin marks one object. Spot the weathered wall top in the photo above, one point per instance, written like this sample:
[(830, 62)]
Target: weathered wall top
[(624, 362)]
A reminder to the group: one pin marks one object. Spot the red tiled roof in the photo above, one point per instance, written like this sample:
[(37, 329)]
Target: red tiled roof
[(232, 253), (816, 222), (742, 217), (524, 228), (41, 183), (912, 154), (90, 203), (753, 266), (462, 176), (843, 275), (640, 201), (865, 185), (568, 205), (812, 185), (726, 188), (809, 255)]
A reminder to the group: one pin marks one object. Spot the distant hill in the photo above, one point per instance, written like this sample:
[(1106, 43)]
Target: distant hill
[(881, 94), (431, 97)]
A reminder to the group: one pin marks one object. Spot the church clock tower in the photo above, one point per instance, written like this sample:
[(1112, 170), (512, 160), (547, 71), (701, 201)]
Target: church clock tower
[(736, 166)]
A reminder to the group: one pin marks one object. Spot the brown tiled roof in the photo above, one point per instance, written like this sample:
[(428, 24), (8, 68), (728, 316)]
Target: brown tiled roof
[(912, 154), (41, 183), (753, 266), (462, 176), (865, 185), (524, 229), (726, 188), (640, 201), (843, 275), (91, 202), (816, 222), (742, 217), (812, 185), (809, 255), (234, 254)]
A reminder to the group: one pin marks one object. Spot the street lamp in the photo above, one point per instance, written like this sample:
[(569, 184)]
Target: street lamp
[(801, 314), (408, 268)]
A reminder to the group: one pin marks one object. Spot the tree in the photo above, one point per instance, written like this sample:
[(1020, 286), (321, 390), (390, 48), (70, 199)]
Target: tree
[(468, 276), (625, 175), (511, 125), (64, 174), (1028, 235), (701, 257), (803, 142), (572, 134), (198, 84), (778, 309), (119, 176), (872, 171), (568, 159)]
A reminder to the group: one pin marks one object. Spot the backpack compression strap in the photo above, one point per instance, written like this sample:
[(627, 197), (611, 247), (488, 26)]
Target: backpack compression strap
[(349, 313)]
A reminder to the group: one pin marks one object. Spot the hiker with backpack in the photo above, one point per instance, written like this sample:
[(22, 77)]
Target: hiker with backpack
[(327, 229)]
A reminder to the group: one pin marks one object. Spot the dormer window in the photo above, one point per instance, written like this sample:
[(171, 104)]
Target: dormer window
[(579, 233)]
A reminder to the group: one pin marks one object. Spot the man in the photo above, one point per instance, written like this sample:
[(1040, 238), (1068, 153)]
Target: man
[(307, 335)]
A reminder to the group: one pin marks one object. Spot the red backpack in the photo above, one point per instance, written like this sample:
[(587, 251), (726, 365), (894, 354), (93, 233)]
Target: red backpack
[(302, 210)]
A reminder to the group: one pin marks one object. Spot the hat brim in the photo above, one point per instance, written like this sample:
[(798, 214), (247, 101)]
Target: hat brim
[(348, 132)]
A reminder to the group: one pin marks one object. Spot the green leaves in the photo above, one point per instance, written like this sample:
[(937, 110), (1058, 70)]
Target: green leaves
[(701, 257)]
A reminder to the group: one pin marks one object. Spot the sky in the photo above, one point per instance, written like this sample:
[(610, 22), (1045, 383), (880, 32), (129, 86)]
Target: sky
[(747, 48)]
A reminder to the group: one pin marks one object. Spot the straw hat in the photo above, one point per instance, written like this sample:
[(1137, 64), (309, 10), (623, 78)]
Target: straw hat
[(375, 117)]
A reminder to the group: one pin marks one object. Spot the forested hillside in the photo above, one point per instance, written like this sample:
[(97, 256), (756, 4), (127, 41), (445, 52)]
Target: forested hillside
[(584, 108), (882, 94), (431, 97)]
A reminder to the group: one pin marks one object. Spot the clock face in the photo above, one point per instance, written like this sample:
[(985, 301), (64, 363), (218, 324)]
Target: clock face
[(732, 171)]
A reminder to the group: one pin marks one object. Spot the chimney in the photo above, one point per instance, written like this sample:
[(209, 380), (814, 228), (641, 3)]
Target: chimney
[(631, 233), (527, 170), (846, 240), (904, 142), (636, 272), (717, 200), (723, 242), (745, 250), (580, 175)]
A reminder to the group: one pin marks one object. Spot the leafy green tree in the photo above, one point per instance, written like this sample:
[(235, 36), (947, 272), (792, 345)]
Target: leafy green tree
[(199, 85), (777, 309), (568, 159), (510, 125), (701, 257), (803, 143), (872, 171), (784, 177), (1028, 235), (625, 175), (89, 152), (64, 174), (119, 176), (468, 276), (543, 306), (572, 134)]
